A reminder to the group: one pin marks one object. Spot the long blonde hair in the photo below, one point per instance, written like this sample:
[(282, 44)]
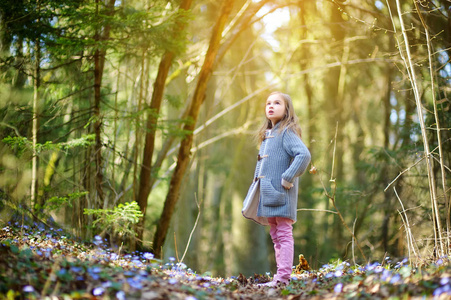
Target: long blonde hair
[(290, 121)]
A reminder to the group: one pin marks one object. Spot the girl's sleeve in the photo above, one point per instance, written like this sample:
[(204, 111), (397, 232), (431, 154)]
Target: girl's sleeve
[(296, 148)]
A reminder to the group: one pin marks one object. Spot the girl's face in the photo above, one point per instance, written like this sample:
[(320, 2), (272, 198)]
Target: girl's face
[(275, 108)]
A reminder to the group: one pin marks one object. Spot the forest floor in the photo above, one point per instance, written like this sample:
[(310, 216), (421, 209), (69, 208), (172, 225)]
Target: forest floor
[(43, 263)]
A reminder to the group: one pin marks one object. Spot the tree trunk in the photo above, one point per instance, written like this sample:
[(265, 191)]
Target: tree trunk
[(185, 145), (145, 184), (99, 63), (387, 208), (335, 94), (35, 127)]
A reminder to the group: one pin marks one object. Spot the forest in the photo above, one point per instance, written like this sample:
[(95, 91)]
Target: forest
[(133, 122)]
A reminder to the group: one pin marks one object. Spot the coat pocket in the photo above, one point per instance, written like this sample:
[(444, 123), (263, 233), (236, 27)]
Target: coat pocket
[(269, 195)]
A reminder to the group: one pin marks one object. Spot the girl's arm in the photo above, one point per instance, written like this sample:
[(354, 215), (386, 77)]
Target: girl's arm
[(296, 148)]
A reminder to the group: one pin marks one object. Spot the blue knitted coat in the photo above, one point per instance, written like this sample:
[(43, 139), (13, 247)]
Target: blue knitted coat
[(282, 157)]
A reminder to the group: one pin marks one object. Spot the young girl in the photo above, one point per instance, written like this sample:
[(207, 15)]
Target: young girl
[(272, 196)]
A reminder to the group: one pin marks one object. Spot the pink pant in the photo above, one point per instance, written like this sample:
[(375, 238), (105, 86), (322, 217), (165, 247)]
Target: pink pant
[(281, 231)]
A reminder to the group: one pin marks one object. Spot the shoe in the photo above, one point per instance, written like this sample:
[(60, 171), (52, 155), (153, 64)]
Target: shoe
[(273, 284)]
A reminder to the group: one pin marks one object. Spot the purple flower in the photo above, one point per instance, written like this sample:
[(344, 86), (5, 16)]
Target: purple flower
[(148, 255), (442, 290), (134, 283), (95, 270), (395, 279), (444, 280), (120, 295), (28, 289), (385, 275), (98, 291), (129, 273), (338, 288), (338, 273)]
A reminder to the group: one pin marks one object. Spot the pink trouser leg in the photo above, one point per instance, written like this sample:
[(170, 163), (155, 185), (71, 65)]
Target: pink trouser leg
[(281, 231)]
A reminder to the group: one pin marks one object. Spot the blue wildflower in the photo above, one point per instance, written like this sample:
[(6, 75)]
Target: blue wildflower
[(442, 290), (120, 295), (329, 275), (95, 270), (385, 275), (28, 289), (338, 288), (134, 283), (98, 291), (395, 279), (62, 272), (148, 255), (338, 273), (444, 280)]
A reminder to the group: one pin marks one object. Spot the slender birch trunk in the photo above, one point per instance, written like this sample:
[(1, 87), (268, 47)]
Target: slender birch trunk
[(408, 61), (437, 122), (35, 127)]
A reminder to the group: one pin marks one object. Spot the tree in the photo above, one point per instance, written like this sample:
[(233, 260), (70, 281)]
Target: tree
[(152, 119), (193, 112)]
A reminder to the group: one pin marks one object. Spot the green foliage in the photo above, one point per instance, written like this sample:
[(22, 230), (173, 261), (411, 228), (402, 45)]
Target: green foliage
[(55, 203), (118, 221), (21, 144)]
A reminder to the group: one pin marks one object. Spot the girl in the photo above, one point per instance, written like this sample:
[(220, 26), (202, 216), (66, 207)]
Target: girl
[(272, 196)]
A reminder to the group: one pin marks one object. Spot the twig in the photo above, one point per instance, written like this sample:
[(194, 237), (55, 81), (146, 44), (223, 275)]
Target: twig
[(406, 170), (175, 246), (405, 220), (332, 197), (192, 231), (333, 155), (320, 210), (353, 242)]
